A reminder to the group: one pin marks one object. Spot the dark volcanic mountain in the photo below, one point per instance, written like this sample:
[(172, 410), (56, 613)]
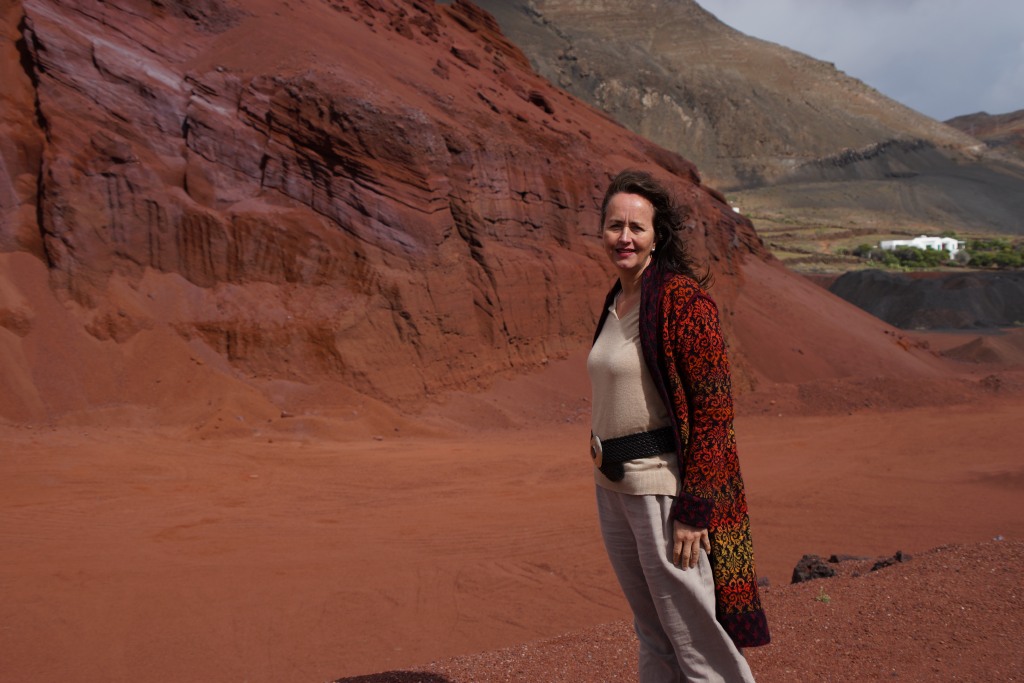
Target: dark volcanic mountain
[(998, 131), (752, 114)]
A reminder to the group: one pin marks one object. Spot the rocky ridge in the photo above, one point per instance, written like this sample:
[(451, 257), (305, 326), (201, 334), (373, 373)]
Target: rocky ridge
[(791, 132), (745, 110), (998, 131)]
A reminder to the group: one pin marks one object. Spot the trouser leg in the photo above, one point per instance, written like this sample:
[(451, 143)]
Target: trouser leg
[(674, 610), (657, 655)]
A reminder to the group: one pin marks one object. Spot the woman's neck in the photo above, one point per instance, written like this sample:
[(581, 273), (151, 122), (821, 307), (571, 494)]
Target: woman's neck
[(630, 286), (629, 294), (630, 282)]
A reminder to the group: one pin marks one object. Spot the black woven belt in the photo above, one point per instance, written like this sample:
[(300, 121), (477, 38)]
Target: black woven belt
[(609, 455)]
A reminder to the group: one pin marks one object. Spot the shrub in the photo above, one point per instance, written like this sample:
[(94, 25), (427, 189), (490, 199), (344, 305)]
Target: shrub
[(912, 257), (996, 253)]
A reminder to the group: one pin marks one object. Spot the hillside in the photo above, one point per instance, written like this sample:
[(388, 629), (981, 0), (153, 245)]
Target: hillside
[(266, 219), (1004, 132), (231, 230), (787, 137)]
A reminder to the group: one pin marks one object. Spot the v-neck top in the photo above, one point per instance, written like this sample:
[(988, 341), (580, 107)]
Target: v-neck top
[(626, 401)]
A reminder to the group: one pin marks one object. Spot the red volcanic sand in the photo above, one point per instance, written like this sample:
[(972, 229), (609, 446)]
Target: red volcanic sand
[(909, 622), (290, 554)]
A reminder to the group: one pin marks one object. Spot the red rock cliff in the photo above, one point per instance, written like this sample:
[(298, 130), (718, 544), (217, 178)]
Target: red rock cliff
[(378, 192)]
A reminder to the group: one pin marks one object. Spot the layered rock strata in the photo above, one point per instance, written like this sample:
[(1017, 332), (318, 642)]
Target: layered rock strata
[(378, 193)]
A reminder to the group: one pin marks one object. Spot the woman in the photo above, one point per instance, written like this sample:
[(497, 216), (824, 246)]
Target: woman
[(669, 492)]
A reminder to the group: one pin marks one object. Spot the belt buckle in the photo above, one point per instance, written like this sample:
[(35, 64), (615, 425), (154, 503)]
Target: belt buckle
[(596, 450)]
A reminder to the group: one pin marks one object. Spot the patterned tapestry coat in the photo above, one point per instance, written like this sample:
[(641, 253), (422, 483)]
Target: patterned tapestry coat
[(682, 345)]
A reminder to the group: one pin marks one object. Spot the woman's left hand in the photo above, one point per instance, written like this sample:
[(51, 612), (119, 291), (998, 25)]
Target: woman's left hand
[(687, 544)]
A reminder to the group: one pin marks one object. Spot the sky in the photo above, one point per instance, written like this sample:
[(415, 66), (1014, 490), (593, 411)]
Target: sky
[(943, 58)]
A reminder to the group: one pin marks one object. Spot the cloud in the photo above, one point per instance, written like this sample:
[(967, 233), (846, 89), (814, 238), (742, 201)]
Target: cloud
[(941, 57)]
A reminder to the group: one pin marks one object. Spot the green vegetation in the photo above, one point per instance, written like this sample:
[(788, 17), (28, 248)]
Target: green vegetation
[(996, 253), (904, 257), (823, 596)]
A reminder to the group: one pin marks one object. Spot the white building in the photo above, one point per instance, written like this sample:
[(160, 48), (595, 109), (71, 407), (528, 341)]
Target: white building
[(924, 242)]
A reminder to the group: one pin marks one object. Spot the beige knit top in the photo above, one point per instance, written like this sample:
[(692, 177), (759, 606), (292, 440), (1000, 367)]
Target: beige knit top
[(626, 401)]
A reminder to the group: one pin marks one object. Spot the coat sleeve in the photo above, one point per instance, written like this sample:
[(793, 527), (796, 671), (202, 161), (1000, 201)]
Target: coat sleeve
[(702, 386)]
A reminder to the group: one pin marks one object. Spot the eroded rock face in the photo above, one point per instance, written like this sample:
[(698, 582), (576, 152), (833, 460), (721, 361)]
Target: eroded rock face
[(381, 193)]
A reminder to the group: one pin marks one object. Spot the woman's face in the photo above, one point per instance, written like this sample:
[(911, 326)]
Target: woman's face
[(628, 232)]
